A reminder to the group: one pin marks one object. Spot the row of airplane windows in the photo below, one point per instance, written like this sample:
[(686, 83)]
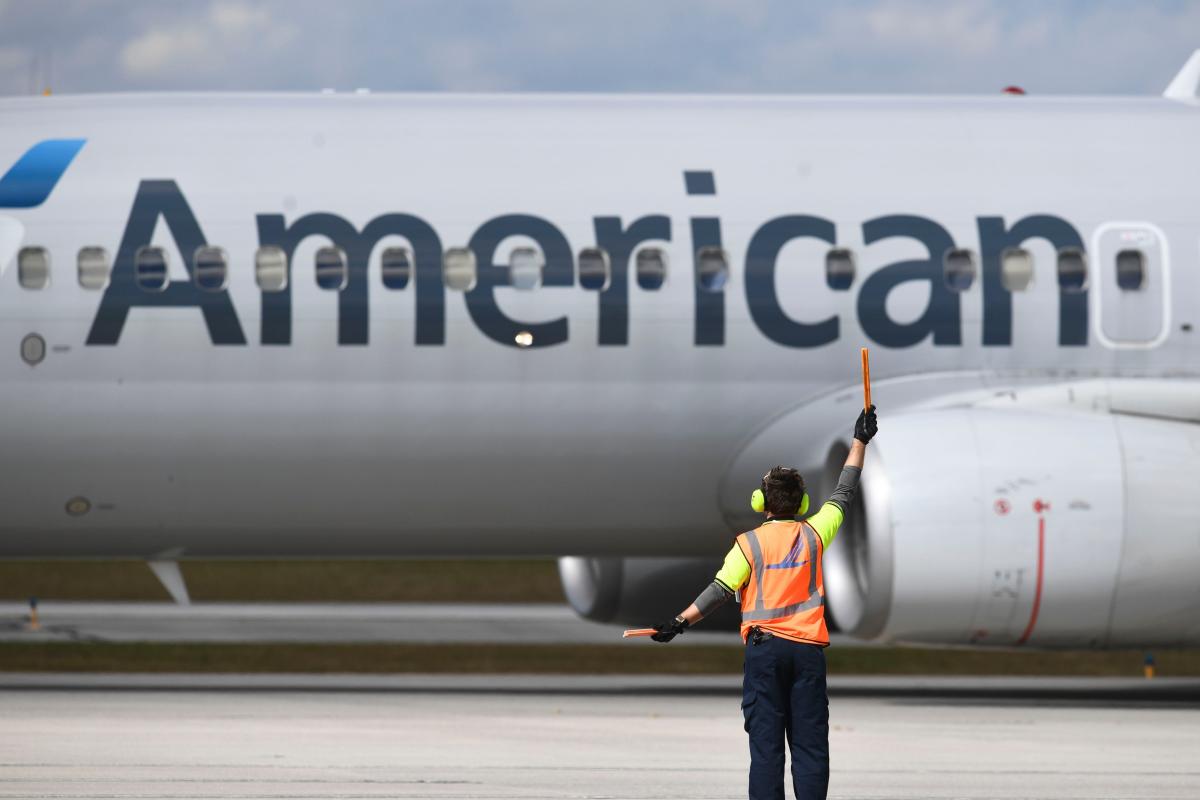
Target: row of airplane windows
[(210, 268)]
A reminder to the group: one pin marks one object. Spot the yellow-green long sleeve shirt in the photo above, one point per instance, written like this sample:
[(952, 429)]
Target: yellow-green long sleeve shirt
[(736, 570)]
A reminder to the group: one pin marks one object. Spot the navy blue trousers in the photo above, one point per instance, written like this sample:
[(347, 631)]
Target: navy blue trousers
[(783, 695)]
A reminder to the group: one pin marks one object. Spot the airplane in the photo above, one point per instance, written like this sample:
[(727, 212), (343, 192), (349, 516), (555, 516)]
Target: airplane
[(582, 326)]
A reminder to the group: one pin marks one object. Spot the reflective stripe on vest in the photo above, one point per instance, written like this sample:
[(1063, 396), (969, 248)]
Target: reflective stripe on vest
[(780, 598), (814, 600)]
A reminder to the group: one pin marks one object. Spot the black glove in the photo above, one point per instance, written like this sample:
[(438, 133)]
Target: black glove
[(670, 630), (866, 426)]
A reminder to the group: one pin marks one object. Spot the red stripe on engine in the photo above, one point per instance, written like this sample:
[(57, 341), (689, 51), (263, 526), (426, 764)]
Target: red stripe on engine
[(1037, 593)]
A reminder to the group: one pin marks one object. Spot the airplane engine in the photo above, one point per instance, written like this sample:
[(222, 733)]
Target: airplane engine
[(639, 591), (1012, 526)]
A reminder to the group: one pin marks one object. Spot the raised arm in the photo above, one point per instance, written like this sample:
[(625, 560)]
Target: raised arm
[(827, 521)]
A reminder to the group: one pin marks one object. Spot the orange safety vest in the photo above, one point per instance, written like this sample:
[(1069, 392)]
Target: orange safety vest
[(786, 592)]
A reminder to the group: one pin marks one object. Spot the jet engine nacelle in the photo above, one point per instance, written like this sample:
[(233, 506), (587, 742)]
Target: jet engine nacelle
[(639, 591), (1003, 526)]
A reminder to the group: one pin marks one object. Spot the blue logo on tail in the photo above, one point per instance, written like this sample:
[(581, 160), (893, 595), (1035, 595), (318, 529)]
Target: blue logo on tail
[(34, 176)]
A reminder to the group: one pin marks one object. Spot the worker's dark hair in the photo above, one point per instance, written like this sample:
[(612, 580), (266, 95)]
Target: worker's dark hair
[(784, 489)]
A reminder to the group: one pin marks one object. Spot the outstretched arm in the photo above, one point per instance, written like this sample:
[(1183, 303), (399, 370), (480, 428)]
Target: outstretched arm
[(715, 595), (733, 575)]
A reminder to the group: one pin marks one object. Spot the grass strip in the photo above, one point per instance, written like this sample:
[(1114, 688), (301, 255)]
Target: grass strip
[(554, 659), (311, 581)]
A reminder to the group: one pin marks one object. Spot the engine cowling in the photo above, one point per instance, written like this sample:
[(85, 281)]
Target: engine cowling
[(1061, 515), (1002, 524), (638, 591)]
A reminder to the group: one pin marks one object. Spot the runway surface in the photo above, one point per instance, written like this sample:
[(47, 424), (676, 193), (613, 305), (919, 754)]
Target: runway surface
[(514, 623), (499, 744), (1184, 691)]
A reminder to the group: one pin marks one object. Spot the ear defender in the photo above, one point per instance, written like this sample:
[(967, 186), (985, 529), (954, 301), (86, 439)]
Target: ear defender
[(758, 502)]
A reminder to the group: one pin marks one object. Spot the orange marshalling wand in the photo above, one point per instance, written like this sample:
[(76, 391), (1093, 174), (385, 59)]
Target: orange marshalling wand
[(638, 632), (866, 380)]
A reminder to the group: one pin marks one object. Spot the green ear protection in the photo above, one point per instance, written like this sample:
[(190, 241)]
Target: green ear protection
[(758, 500)]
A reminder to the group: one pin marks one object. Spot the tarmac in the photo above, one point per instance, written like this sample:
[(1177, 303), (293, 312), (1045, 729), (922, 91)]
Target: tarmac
[(514, 623), (539, 738), (462, 737)]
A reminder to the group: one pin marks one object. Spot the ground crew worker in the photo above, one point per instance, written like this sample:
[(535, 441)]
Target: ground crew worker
[(777, 567)]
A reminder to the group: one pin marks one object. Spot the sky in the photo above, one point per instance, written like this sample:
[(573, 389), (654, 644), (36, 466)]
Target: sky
[(858, 46)]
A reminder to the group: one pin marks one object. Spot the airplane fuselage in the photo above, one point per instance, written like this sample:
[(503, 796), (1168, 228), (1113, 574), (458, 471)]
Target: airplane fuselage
[(562, 419)]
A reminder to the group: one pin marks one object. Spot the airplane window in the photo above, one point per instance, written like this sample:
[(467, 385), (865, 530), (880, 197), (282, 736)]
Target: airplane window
[(712, 267), (525, 268), (150, 268), (959, 269), (1072, 270), (458, 269), (651, 268), (839, 268), (594, 269), (93, 268), (1131, 270), (332, 272), (1016, 269), (396, 265), (270, 269), (33, 268), (210, 269)]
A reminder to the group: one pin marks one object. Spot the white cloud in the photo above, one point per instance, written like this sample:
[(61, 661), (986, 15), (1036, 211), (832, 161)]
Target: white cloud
[(1031, 33), (15, 70), (466, 65), (237, 19), (207, 44), (913, 46), (971, 27), (12, 58), (977, 46), (154, 51)]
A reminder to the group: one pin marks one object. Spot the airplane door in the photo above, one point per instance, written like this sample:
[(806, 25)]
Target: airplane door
[(1130, 284)]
